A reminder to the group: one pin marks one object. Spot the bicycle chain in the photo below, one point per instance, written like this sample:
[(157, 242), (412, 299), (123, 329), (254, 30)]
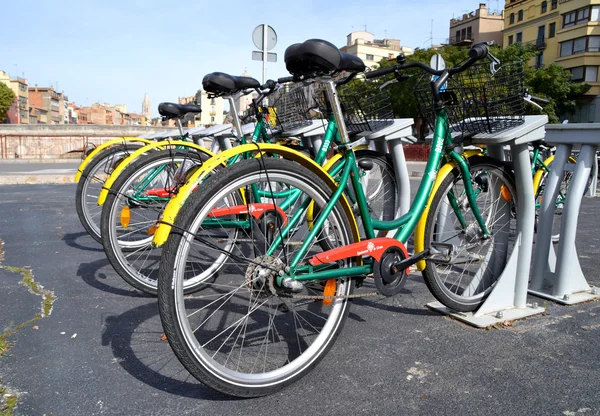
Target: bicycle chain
[(322, 297)]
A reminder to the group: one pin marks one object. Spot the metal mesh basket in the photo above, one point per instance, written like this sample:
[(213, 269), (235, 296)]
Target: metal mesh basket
[(289, 109), (366, 106), (477, 100)]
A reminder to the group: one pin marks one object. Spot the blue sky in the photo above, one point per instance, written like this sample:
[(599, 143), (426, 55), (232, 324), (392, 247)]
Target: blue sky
[(115, 51)]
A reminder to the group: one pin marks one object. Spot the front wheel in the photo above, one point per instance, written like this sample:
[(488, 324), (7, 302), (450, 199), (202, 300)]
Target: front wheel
[(243, 334), (467, 264)]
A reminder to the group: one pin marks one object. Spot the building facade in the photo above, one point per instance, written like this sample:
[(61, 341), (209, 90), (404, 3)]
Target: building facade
[(19, 110), (146, 110), (49, 100), (212, 109), (477, 26), (566, 32), (364, 45)]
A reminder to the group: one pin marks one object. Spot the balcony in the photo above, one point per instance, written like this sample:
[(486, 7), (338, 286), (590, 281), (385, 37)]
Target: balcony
[(540, 43)]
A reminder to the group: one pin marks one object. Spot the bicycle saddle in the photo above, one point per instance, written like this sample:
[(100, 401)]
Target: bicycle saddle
[(316, 57), (172, 110), (220, 83)]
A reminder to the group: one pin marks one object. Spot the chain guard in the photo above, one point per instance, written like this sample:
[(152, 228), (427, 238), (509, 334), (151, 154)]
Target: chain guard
[(388, 280)]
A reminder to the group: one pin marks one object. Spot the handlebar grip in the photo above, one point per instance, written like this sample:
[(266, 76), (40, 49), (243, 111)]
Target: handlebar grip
[(285, 80), (539, 100), (479, 51), (270, 84), (380, 72)]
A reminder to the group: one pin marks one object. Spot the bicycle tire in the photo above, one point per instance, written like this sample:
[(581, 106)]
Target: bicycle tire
[(477, 263), (287, 360), (90, 185), (128, 247)]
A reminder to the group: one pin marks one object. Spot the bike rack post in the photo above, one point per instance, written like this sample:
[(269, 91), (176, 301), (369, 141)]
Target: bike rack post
[(508, 298), (559, 277), (396, 134)]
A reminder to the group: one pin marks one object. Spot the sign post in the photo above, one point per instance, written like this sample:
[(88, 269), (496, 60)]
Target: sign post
[(265, 39)]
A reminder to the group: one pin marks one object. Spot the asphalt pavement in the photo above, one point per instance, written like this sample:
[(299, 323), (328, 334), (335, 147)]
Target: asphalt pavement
[(99, 350)]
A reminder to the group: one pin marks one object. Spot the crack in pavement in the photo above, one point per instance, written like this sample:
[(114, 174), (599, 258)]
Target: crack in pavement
[(8, 400)]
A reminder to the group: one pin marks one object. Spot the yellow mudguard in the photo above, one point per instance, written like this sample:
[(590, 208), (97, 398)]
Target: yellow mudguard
[(100, 148), (175, 204), (420, 229), (127, 161), (537, 177)]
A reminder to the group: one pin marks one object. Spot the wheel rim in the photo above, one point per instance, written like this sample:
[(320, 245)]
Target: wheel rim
[(285, 360)]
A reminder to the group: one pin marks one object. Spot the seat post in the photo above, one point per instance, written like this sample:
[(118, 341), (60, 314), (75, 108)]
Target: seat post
[(236, 119), (180, 127), (336, 108)]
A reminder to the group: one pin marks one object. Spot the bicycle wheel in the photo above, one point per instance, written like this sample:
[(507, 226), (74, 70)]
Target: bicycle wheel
[(470, 264), (132, 211), (379, 185), (89, 186), (242, 334)]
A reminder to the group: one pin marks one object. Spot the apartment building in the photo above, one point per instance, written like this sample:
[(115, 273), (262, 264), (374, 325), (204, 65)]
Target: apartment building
[(212, 109), (49, 100), (566, 32), (480, 25), (19, 111), (364, 45)]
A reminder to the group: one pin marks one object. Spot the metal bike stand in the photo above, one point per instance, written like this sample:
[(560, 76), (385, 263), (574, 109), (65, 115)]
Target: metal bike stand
[(559, 277), (394, 136), (200, 135), (508, 299)]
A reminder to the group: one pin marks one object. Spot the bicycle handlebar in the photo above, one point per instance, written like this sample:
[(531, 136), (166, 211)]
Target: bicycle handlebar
[(477, 52)]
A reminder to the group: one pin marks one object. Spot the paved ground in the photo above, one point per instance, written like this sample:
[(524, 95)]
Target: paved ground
[(99, 351)]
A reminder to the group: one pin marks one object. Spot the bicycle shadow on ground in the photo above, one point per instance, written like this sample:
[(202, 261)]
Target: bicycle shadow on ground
[(82, 241), (136, 338), (100, 275), (395, 304)]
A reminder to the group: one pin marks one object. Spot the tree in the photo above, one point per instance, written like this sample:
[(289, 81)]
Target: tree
[(552, 82), (7, 98)]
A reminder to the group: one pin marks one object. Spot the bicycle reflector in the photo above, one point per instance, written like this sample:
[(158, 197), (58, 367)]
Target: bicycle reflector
[(125, 216), (505, 193), (329, 290)]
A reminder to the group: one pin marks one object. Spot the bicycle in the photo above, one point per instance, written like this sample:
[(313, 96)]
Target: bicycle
[(126, 242), (282, 297), (97, 165)]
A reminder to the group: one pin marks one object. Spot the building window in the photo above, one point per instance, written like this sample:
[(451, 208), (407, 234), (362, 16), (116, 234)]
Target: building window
[(512, 18), (458, 35), (579, 16), (22, 87), (580, 45), (584, 74), (510, 40), (520, 18), (519, 37), (463, 34), (370, 57), (539, 60), (212, 119), (544, 7), (469, 33), (551, 30), (554, 4)]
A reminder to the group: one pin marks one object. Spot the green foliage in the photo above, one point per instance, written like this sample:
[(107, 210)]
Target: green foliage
[(551, 82), (7, 97)]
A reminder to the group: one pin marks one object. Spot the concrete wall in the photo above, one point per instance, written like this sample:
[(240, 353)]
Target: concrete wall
[(52, 141)]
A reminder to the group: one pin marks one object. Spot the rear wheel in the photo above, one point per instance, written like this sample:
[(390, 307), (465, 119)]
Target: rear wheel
[(468, 264), (90, 185), (132, 211), (243, 334)]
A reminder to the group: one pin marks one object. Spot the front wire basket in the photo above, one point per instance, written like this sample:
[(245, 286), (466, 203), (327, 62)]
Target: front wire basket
[(288, 108), (478, 100), (365, 105)]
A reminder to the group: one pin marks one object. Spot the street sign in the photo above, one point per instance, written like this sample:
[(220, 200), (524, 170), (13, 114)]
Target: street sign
[(258, 36), (437, 62), (258, 56)]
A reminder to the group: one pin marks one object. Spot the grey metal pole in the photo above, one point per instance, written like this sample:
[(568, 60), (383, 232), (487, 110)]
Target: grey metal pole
[(264, 74)]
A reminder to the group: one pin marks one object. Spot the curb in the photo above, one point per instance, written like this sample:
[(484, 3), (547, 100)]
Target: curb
[(34, 180)]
